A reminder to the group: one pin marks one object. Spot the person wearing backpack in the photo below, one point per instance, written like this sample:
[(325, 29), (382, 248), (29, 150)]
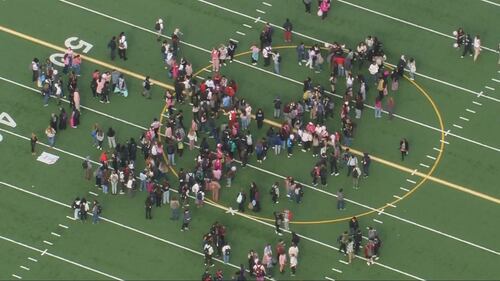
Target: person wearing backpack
[(159, 29), (96, 212), (356, 174), (226, 252)]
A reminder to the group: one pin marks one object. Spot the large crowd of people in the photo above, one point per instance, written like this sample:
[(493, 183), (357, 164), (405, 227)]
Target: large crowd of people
[(218, 130)]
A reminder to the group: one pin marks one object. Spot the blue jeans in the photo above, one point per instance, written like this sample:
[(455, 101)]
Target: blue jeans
[(166, 197), (340, 204), (46, 99), (378, 112), (143, 185), (225, 258), (95, 217), (175, 214), (52, 141), (171, 159), (76, 68), (277, 68)]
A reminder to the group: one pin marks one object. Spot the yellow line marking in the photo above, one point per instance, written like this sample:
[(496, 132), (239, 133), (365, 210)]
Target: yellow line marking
[(376, 159)]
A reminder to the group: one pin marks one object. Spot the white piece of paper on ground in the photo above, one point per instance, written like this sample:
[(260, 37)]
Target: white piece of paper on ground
[(47, 158)]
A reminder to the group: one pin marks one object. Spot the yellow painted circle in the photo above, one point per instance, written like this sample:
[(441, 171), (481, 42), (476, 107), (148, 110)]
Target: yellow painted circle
[(375, 210)]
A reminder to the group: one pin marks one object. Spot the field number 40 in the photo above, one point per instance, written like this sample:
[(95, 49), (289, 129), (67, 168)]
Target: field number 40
[(6, 120), (73, 43)]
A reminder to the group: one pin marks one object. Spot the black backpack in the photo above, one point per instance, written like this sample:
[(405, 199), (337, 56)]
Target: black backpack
[(85, 165), (157, 26)]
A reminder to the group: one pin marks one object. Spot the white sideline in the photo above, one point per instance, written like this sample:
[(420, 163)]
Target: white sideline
[(59, 258), (271, 173)]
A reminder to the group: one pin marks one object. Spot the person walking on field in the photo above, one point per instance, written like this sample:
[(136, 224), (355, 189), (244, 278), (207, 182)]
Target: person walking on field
[(288, 31), (340, 200), (350, 250), (404, 148), (51, 135), (215, 60)]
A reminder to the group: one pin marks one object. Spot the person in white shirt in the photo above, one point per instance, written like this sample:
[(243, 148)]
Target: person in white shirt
[(122, 46), (412, 66), (477, 47), (293, 252), (226, 252), (159, 28), (373, 69)]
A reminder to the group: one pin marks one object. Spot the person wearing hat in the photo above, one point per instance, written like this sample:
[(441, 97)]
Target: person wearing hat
[(159, 28)]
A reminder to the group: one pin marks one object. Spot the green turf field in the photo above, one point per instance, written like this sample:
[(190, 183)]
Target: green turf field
[(437, 212)]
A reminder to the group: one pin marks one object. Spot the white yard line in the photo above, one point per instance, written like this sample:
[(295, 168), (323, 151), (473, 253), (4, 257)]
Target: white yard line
[(424, 165), (431, 157), (282, 177), (55, 234), (247, 25), (16, 276), (491, 2), (463, 118), (24, 267), (337, 270), (260, 11), (496, 80), (489, 88), (457, 126), (267, 4), (277, 75), (48, 243), (377, 221), (477, 103), (45, 252), (343, 261), (411, 181), (328, 278), (32, 259), (407, 22), (404, 189), (470, 110), (322, 41), (436, 149)]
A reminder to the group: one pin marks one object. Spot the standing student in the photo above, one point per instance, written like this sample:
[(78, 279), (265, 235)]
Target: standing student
[(159, 29), (277, 62), (87, 168), (226, 252), (293, 252), (149, 207), (112, 48), (186, 219), (390, 107), (174, 206), (96, 211), (412, 67), (468, 43), (146, 86), (266, 54), (122, 46), (404, 148), (35, 69), (307, 5), (215, 60), (477, 47), (288, 30), (340, 200), (111, 138), (366, 161), (51, 135), (113, 179), (259, 117), (378, 107), (33, 141), (356, 174), (255, 54), (278, 220), (350, 250)]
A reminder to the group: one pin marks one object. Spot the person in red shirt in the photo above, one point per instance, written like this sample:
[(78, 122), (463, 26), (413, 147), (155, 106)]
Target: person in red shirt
[(104, 157)]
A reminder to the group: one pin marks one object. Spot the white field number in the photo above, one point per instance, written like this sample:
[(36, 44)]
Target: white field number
[(5, 119), (73, 43)]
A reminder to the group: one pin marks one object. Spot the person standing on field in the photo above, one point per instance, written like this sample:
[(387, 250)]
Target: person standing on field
[(51, 135), (340, 200), (350, 250), (87, 168), (146, 85), (122, 46), (149, 208), (477, 47), (404, 148), (159, 29), (288, 31), (33, 141), (111, 138), (186, 219), (112, 48)]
